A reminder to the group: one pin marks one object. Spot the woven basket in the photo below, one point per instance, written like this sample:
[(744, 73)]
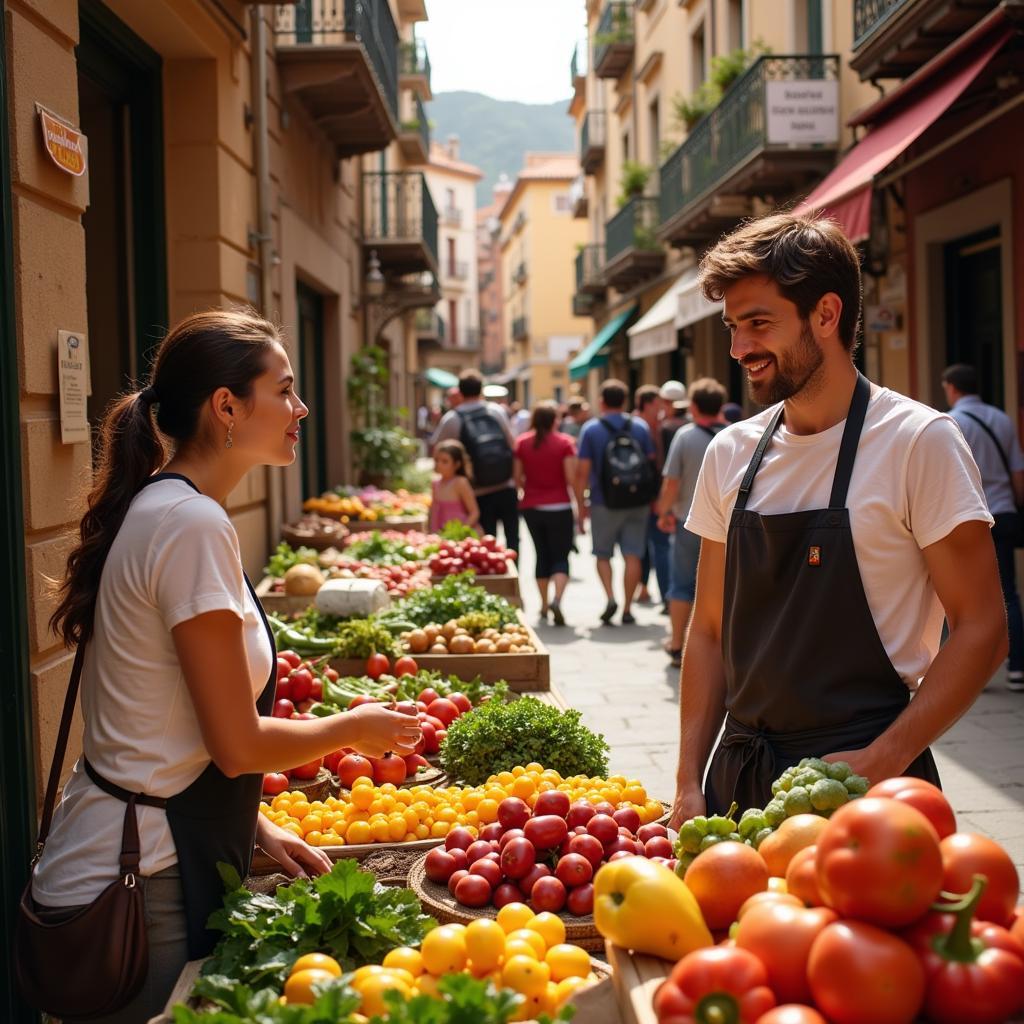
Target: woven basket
[(313, 789), (437, 901), (264, 864), (315, 532)]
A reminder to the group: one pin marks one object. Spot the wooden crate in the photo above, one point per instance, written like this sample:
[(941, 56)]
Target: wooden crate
[(402, 524), (281, 604), (506, 585), (636, 977)]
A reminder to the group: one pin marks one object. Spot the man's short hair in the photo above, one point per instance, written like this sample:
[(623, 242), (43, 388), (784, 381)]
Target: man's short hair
[(644, 395), (613, 393), (471, 384), (963, 377), (707, 396), (806, 257)]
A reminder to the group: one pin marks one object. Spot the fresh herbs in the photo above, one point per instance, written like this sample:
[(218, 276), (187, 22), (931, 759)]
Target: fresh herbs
[(452, 598), (284, 557), (496, 737), (348, 638), (457, 531), (343, 913), (375, 547)]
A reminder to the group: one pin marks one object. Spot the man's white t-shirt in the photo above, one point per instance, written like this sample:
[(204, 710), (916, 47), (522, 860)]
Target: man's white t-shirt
[(914, 480), (176, 556)]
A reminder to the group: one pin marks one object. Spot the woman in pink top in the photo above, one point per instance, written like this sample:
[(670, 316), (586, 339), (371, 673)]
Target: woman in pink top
[(545, 461), (451, 495)]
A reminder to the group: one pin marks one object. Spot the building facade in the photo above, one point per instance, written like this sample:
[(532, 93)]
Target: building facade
[(488, 261), (538, 235), (691, 117)]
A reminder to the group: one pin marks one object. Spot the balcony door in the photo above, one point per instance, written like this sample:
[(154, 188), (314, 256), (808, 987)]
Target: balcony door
[(311, 388)]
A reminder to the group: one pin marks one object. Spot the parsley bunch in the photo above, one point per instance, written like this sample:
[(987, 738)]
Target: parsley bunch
[(496, 737), (452, 598)]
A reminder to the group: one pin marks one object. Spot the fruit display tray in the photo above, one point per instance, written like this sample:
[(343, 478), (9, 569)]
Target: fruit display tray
[(505, 585), (264, 864)]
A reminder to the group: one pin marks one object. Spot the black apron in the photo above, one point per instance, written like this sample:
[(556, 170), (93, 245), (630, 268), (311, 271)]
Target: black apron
[(214, 819), (805, 671)]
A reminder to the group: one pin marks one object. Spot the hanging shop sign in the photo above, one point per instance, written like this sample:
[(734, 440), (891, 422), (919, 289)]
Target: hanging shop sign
[(803, 112), (65, 144), (882, 318), (73, 380)]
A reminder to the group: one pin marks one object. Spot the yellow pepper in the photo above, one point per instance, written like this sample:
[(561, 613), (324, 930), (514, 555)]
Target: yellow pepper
[(643, 906)]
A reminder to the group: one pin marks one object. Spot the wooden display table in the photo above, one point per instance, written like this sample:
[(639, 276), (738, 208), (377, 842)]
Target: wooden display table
[(505, 585), (402, 524)]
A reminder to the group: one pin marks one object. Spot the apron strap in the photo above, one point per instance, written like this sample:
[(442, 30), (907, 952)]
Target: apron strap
[(851, 439), (755, 462)]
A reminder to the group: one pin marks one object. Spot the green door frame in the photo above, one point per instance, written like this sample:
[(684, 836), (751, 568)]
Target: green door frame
[(18, 806)]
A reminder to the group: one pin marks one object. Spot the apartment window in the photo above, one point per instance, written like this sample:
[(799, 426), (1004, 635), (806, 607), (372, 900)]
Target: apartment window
[(453, 307), (625, 145), (562, 204), (698, 58), (449, 198), (735, 15), (654, 131), (451, 257), (808, 27)]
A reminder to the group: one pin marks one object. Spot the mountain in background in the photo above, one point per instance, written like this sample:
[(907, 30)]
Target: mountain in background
[(494, 134)]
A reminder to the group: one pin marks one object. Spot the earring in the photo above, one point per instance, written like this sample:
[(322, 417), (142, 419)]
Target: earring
[(229, 443)]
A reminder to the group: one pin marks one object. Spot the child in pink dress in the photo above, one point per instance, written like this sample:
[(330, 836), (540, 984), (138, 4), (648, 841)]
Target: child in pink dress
[(452, 494)]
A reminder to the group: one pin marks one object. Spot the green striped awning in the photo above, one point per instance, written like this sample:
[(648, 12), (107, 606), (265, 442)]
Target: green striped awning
[(594, 354), (441, 378)]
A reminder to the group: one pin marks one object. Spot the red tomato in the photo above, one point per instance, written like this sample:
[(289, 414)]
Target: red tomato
[(274, 783), (546, 832), (627, 817), (352, 767), (283, 690), (439, 865), (802, 876), (461, 701), (331, 674), (879, 861), (781, 935), (513, 812), (528, 881), (283, 708), (443, 710), (389, 768), (309, 770), (507, 892), (579, 814), (547, 894), (518, 857), (580, 900), (488, 869), (333, 759), (316, 691), (507, 837), (429, 736), (928, 799), (473, 891), (603, 828), (965, 855), (294, 661), (574, 869), (300, 683), (859, 973), (406, 666), (659, 846), (589, 847), (1017, 928), (732, 980), (553, 801), (651, 831), (284, 666), (478, 850), (377, 665), (457, 877), (363, 698), (459, 838), (792, 1013)]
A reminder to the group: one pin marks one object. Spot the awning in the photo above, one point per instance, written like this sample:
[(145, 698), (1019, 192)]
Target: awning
[(655, 331), (593, 354), (845, 193), (441, 378)]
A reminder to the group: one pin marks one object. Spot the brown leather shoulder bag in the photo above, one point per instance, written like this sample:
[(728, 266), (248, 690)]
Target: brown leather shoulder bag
[(102, 949)]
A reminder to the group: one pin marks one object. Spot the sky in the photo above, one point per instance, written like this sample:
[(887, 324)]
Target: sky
[(508, 49)]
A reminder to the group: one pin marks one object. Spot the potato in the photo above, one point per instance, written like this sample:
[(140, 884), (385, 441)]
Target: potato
[(513, 649), (483, 646), (432, 632), (448, 629), (439, 649), (461, 644), (303, 580), (502, 645), (418, 641)]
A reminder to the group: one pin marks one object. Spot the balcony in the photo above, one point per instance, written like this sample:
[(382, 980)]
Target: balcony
[(578, 197), (745, 147), (400, 221), (456, 270), (519, 223), (893, 38), (583, 305), (632, 250), (592, 141), (415, 68), (452, 217), (520, 329), (429, 326), (414, 137), (519, 275), (469, 338), (339, 59), (589, 270), (613, 43)]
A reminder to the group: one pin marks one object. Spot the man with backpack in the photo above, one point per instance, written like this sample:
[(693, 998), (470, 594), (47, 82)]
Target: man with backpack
[(616, 461), (483, 429)]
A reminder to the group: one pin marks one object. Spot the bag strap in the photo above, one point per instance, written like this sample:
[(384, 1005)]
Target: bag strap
[(614, 430), (999, 448)]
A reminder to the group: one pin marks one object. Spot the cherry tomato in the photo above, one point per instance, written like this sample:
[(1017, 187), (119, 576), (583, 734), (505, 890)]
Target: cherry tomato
[(377, 665), (792, 1013), (547, 894), (928, 799), (546, 832), (274, 783), (406, 666)]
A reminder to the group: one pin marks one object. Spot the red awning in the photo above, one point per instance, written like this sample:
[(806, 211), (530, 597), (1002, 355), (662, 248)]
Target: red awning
[(845, 194)]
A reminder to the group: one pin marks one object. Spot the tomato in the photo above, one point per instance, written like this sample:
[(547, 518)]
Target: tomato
[(928, 799), (518, 857), (546, 832), (377, 665), (458, 838), (300, 685), (802, 876), (781, 935), (439, 865), (389, 768), (413, 762), (309, 770), (628, 817), (363, 698), (731, 982), (316, 691), (1017, 928), (792, 1013), (589, 847), (579, 813), (283, 708), (723, 878), (406, 666), (548, 894), (284, 666), (507, 837), (428, 734), (457, 876), (333, 759), (965, 855), (477, 850), (768, 896), (294, 661), (507, 892), (352, 767), (879, 861), (274, 783), (603, 828), (473, 891), (553, 801), (461, 701), (652, 831), (858, 973), (580, 900), (658, 846), (513, 812), (574, 869), (527, 882), (283, 690), (488, 869)]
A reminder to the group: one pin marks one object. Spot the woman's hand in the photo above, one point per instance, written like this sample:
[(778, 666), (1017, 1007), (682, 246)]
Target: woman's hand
[(294, 855), (378, 730)]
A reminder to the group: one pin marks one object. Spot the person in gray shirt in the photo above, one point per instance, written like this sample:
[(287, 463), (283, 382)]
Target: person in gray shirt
[(996, 448), (679, 480)]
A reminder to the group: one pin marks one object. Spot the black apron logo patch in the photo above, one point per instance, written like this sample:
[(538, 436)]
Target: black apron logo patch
[(814, 555)]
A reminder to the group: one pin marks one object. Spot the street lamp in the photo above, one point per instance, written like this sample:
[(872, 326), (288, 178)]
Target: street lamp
[(374, 283)]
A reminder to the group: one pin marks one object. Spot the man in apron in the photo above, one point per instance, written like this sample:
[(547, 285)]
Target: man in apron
[(839, 527)]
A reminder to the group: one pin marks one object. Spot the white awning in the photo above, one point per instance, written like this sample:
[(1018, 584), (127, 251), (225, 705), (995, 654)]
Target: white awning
[(681, 305)]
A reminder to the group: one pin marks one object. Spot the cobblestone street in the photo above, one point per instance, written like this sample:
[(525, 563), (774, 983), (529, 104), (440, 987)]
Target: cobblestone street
[(620, 679)]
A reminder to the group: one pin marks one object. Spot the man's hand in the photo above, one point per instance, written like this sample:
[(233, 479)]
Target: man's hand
[(667, 522), (688, 804), (582, 514), (298, 858)]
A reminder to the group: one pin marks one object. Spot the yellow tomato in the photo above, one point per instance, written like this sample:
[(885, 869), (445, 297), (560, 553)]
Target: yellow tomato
[(504, 779), (523, 787), (513, 916), (567, 961), (319, 962), (358, 833), (550, 927), (379, 831), (299, 809), (495, 793), (422, 832), (565, 988), (518, 770), (526, 976), (522, 947), (427, 984), (299, 986), (534, 767), (444, 950), (314, 838), (411, 819), (635, 795), (440, 829), (396, 827), (372, 990), (487, 811), (362, 798), (485, 944), (448, 814), (406, 958), (293, 827), (535, 939)]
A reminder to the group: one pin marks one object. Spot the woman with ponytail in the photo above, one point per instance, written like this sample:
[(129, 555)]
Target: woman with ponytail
[(179, 668)]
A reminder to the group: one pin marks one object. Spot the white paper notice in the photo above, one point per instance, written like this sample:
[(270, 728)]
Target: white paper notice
[(73, 380)]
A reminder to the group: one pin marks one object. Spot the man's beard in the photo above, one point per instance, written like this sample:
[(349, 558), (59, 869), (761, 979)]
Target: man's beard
[(795, 371)]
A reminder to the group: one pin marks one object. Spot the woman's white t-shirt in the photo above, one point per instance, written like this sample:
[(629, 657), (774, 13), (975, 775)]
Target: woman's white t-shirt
[(914, 481), (176, 556)]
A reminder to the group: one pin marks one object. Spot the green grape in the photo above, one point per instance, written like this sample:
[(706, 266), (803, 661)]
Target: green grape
[(753, 824), (702, 824), (798, 801), (720, 826), (828, 795), (708, 841), (689, 838), (734, 837), (839, 770), (682, 863), (856, 785)]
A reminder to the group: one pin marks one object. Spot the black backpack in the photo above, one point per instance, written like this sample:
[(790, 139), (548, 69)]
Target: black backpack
[(487, 447), (628, 476)]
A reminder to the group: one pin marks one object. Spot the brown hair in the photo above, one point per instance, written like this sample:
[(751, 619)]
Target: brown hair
[(707, 396), (806, 257), (471, 384), (613, 393), (457, 450), (206, 351), (542, 422), (963, 377), (644, 395)]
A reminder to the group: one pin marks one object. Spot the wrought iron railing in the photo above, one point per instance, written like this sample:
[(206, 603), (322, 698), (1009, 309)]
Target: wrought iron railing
[(593, 132), (633, 227), (519, 328), (589, 261), (429, 323), (615, 27), (415, 59), (453, 216), (419, 124), (332, 22), (735, 129), (456, 270), (398, 207), (869, 15)]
